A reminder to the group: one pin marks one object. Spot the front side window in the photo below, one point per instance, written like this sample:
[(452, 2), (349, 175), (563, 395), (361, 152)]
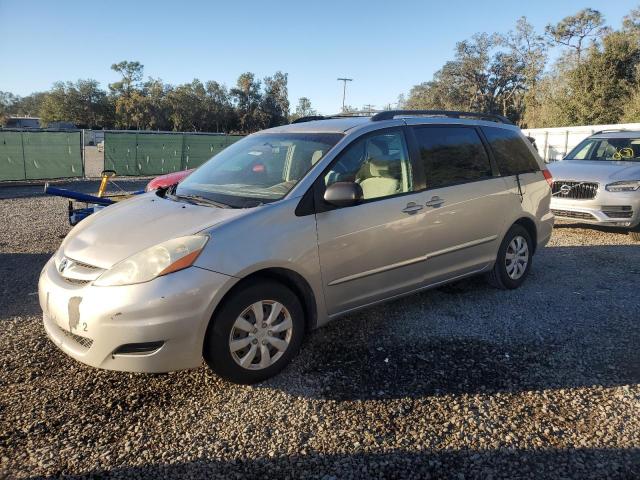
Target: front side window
[(607, 149), (511, 152), (452, 155), (379, 163), (258, 169)]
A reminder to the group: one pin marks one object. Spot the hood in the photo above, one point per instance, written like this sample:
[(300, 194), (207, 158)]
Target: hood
[(120, 230), (594, 170)]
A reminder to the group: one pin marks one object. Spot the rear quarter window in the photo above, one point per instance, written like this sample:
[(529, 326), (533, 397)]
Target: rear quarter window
[(510, 151)]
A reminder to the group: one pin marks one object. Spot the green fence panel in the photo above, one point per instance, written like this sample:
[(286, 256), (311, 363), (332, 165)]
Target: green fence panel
[(120, 153), (159, 153), (11, 158), (200, 148), (52, 154), (145, 153)]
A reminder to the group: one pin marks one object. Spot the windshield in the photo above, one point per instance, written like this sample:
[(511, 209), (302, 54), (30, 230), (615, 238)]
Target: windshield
[(607, 149), (258, 169)]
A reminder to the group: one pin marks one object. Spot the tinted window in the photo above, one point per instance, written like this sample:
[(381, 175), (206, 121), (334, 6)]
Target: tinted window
[(379, 163), (512, 154), (452, 155)]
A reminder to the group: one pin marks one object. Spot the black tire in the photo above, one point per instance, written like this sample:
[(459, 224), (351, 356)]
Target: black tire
[(216, 350), (498, 276)]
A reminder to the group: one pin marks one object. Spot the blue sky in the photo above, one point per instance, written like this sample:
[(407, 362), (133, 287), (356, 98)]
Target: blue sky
[(385, 46)]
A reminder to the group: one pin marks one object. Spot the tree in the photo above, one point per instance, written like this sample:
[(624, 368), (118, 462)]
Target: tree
[(303, 109), (220, 113), (631, 22), (600, 86), (248, 98), (572, 31), (127, 95), (480, 78), (275, 101), (7, 101), (82, 103)]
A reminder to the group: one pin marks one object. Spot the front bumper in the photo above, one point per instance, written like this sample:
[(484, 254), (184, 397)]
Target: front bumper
[(615, 209), (91, 323)]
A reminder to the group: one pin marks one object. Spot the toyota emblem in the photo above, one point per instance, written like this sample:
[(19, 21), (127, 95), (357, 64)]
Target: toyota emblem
[(63, 265)]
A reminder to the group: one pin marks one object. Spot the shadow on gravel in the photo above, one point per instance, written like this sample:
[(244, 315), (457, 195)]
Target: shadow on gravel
[(560, 330), (600, 228), (507, 463), (19, 283)]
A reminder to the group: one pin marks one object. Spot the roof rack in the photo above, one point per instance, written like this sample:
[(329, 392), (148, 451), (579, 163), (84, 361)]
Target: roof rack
[(391, 114), (312, 118), (611, 130)]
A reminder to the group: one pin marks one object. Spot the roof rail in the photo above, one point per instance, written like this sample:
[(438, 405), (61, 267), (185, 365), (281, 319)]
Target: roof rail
[(310, 118), (611, 130), (391, 114)]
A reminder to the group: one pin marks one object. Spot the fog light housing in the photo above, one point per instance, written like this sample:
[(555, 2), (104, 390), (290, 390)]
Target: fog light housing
[(145, 348)]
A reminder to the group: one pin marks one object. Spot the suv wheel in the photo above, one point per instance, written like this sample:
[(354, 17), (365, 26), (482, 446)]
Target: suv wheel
[(255, 334), (514, 259)]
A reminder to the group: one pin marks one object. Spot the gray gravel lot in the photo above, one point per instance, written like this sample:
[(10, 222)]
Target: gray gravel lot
[(463, 382)]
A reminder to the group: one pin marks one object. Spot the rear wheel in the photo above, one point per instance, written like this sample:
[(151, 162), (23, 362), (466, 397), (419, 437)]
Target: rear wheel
[(255, 334), (514, 259)]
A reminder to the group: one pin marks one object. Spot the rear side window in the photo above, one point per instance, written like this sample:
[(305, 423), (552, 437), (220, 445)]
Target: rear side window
[(451, 155), (512, 154)]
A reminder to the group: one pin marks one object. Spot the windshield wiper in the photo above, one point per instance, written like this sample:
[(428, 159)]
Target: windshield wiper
[(199, 199)]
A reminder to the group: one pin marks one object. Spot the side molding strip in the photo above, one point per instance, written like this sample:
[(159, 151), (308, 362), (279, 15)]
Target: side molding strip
[(411, 261)]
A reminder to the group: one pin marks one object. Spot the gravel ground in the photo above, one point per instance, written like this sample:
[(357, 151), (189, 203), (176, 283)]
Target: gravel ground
[(463, 382)]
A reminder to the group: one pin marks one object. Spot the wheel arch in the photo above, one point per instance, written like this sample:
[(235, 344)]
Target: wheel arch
[(290, 279), (530, 226)]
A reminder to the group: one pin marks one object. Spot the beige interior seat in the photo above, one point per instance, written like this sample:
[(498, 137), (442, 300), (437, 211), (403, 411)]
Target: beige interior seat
[(379, 181)]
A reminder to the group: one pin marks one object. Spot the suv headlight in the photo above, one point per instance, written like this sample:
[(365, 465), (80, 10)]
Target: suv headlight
[(161, 259), (624, 186)]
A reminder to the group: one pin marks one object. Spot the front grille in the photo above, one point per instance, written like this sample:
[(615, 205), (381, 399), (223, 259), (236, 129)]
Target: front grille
[(82, 341), (77, 273), (575, 190), (623, 211), (570, 214), (75, 281)]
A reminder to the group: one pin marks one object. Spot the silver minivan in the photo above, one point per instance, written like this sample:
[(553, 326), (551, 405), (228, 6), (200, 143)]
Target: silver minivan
[(292, 227)]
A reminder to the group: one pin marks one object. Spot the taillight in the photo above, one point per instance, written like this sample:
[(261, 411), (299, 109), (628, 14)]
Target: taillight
[(547, 176)]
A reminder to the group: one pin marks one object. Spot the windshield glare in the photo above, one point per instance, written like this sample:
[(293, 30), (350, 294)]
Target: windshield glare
[(259, 168), (607, 149)]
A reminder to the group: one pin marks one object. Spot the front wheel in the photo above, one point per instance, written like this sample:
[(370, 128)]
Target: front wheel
[(514, 259), (255, 334)]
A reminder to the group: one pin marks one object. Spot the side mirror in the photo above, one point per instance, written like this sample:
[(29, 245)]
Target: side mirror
[(343, 194)]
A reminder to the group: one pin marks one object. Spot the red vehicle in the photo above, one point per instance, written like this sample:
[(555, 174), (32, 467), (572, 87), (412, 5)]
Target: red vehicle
[(168, 179)]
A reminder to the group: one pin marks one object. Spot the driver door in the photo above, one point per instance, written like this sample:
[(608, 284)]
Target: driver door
[(373, 250)]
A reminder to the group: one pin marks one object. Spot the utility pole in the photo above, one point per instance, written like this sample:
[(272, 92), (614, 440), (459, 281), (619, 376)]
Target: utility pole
[(344, 88)]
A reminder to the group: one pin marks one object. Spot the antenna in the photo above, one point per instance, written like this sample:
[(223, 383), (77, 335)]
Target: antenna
[(344, 88)]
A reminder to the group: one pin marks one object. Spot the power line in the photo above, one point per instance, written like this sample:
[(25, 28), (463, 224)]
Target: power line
[(344, 88)]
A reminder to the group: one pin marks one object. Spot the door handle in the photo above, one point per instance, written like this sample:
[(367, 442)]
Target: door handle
[(411, 208), (435, 202)]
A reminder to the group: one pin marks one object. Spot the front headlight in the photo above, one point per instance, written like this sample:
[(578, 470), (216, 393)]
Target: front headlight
[(624, 186), (161, 259)]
